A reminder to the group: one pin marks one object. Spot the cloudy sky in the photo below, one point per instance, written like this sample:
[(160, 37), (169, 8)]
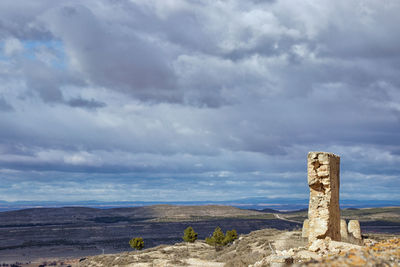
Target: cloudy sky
[(197, 99)]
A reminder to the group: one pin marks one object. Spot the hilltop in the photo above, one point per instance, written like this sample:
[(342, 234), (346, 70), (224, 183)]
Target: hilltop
[(255, 249)]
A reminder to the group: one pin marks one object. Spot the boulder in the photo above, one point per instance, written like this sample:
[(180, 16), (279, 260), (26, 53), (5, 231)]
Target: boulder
[(354, 229), (343, 230)]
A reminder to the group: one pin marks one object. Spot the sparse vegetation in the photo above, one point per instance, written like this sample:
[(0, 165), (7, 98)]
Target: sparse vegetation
[(230, 237), (189, 235), (136, 243), (218, 239)]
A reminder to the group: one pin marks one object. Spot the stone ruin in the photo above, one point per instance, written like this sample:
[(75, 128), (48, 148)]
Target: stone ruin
[(324, 221), (323, 179), (323, 229), (354, 229), (343, 230)]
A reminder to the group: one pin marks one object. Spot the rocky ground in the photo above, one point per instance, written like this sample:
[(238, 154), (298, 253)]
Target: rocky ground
[(383, 253), (268, 247), (246, 250)]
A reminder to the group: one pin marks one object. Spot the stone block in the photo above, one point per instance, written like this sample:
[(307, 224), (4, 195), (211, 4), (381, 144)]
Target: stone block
[(354, 229), (343, 229)]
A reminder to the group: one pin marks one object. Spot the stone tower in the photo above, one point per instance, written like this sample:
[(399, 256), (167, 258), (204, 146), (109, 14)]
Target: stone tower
[(323, 179)]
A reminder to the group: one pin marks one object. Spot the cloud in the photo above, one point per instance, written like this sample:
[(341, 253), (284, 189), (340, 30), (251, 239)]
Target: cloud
[(4, 106), (12, 46), (90, 104), (120, 58), (164, 96)]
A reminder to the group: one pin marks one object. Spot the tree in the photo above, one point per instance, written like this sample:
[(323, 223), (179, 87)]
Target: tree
[(189, 235), (217, 238), (136, 243), (230, 236)]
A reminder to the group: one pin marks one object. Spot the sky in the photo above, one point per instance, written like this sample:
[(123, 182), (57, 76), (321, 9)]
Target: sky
[(177, 100)]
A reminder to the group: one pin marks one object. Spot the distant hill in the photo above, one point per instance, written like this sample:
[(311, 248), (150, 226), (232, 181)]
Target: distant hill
[(65, 215), (270, 210), (388, 214), (256, 203)]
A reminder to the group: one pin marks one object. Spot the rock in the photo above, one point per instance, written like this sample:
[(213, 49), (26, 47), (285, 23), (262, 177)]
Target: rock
[(335, 246), (306, 255), (323, 179), (343, 229), (384, 253), (285, 253), (328, 247), (317, 245), (304, 231), (274, 260), (354, 229)]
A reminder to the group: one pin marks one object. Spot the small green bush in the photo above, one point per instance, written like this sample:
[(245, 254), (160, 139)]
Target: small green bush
[(189, 235), (136, 243)]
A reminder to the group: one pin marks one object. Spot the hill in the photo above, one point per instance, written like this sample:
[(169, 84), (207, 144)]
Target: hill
[(68, 215), (364, 214), (78, 231), (75, 231)]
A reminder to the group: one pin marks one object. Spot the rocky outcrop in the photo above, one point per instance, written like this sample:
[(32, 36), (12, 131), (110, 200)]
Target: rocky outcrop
[(318, 250), (327, 246), (384, 253), (354, 229), (323, 179)]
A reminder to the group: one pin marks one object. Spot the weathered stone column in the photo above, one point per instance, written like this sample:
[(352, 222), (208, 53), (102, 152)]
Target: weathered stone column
[(343, 230), (323, 179), (355, 229)]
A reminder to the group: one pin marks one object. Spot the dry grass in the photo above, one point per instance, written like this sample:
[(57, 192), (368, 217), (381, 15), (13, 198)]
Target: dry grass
[(253, 247), (246, 250)]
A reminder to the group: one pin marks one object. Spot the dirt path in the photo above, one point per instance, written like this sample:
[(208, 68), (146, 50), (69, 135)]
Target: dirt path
[(284, 219)]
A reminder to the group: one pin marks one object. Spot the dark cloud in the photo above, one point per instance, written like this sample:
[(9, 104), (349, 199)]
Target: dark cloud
[(209, 94), (113, 56), (4, 106), (84, 103), (16, 21)]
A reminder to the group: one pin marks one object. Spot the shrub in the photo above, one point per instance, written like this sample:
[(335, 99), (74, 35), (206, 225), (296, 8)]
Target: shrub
[(136, 243), (230, 236), (189, 235), (218, 238)]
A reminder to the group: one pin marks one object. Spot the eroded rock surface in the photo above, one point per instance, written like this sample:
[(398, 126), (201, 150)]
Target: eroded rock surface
[(354, 229), (323, 179), (343, 230), (304, 231)]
